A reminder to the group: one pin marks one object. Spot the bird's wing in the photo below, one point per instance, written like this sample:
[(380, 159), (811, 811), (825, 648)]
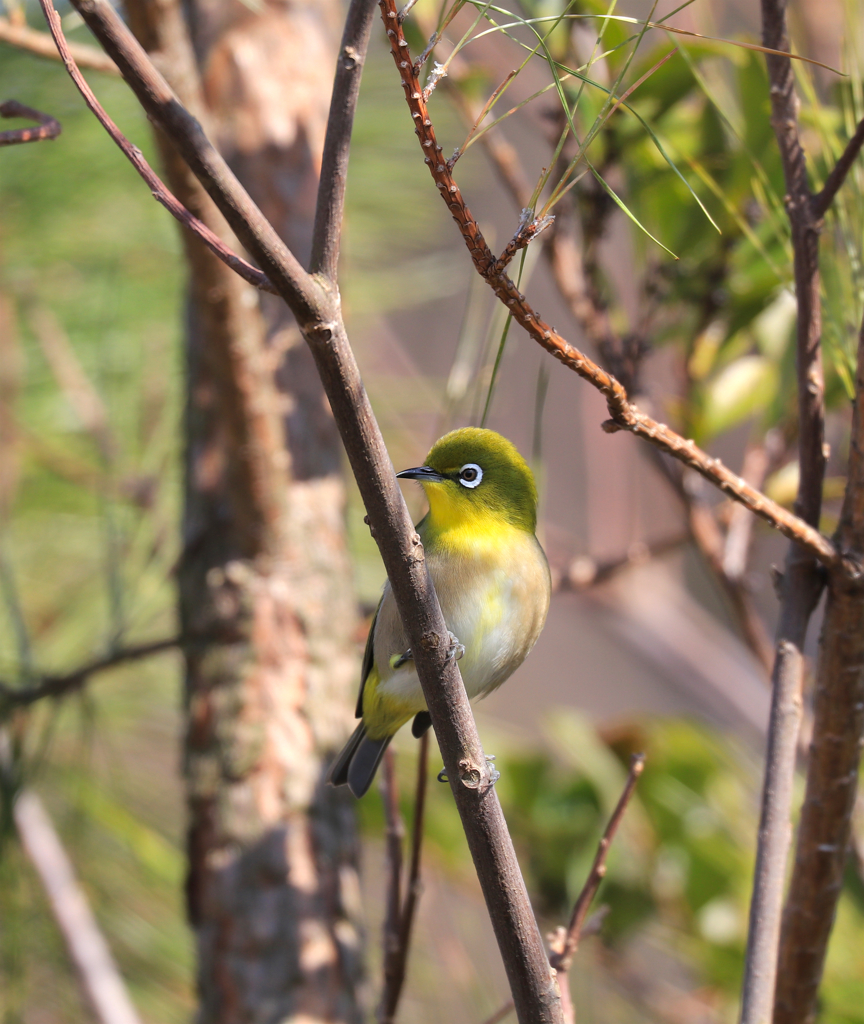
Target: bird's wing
[(368, 662)]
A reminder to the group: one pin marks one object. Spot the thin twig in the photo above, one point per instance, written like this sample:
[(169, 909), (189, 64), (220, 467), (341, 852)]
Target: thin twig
[(318, 314), (624, 415), (501, 1013), (100, 978), (394, 837), (42, 45), (570, 276), (229, 346), (49, 127), (565, 943), (562, 957), (708, 538), (584, 572), (758, 460), (398, 937), (61, 685), (72, 380), (327, 232), (413, 884), (303, 293), (822, 200), (158, 189)]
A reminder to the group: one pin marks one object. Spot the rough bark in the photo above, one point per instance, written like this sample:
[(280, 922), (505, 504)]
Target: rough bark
[(264, 581)]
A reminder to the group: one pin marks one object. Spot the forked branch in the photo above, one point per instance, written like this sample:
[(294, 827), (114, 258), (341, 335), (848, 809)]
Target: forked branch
[(821, 202)]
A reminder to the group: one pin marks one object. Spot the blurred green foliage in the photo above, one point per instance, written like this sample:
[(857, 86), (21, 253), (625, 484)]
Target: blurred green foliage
[(679, 870)]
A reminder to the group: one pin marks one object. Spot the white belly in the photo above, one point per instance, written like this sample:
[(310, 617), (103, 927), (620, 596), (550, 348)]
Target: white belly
[(495, 609)]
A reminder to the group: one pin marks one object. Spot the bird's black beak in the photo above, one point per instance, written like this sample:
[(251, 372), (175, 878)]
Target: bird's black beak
[(425, 474)]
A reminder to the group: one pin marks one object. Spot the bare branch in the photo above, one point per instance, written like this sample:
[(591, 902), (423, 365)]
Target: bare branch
[(397, 932), (334, 164), (802, 582), (822, 200), (413, 886), (49, 127), (708, 538), (101, 980), (158, 189), (758, 459), (61, 685), (583, 572), (835, 754), (303, 295), (624, 415), (562, 957), (42, 45), (394, 835), (316, 308), (565, 943)]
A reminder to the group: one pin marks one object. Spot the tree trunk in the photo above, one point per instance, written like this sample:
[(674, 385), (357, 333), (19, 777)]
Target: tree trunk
[(266, 602)]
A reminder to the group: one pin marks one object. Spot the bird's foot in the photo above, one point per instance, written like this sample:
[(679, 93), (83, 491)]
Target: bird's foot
[(456, 650), (398, 660), (494, 774)]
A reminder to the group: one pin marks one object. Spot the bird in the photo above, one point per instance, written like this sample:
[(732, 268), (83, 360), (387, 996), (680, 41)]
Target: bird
[(492, 580)]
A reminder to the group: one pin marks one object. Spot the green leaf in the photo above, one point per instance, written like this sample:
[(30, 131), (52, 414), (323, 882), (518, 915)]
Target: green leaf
[(742, 389)]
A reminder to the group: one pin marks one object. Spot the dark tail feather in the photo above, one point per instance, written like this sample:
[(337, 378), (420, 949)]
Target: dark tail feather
[(422, 721), (338, 774), (358, 762)]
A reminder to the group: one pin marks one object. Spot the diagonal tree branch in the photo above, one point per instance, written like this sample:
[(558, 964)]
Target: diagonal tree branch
[(318, 313), (726, 557), (61, 685), (624, 415), (158, 189), (802, 580), (49, 127), (835, 754), (565, 946), (334, 163), (100, 979), (401, 908), (248, 222), (394, 835), (821, 202)]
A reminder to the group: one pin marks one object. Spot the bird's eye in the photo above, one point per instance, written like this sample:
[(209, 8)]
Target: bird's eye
[(470, 475)]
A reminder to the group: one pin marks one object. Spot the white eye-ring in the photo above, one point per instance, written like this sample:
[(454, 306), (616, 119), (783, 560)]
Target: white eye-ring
[(470, 475)]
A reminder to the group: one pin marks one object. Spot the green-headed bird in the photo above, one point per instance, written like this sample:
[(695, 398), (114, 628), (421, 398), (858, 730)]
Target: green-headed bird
[(492, 581)]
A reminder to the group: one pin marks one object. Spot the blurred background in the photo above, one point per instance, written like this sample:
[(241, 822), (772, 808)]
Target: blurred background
[(659, 636)]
